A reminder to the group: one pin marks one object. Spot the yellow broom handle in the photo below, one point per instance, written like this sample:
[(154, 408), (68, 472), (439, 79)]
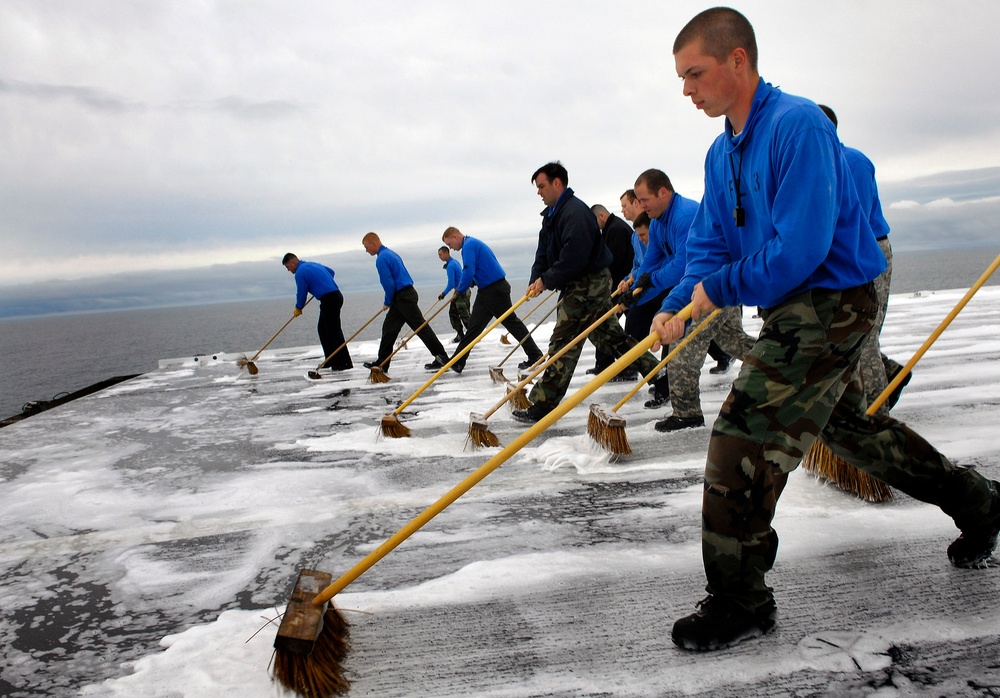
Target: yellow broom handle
[(492, 464), (415, 332), (552, 359), (525, 338), (459, 355), (669, 357), (528, 314), (351, 338), (934, 335), (274, 336)]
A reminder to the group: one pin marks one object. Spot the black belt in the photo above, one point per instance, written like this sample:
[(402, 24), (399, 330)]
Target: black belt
[(884, 237)]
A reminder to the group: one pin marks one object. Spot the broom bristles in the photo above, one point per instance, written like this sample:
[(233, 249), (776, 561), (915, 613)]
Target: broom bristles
[(518, 399), (825, 464), (496, 374), (608, 431), (319, 674), (242, 362), (480, 437), (377, 375), (616, 441), (504, 339), (594, 429), (393, 428)]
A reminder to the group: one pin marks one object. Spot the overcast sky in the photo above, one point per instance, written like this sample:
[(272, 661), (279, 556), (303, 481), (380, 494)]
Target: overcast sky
[(162, 135)]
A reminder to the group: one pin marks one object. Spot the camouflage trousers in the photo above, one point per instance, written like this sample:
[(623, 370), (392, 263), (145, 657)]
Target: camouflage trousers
[(583, 301), (459, 312), (799, 382), (685, 368), (874, 367)]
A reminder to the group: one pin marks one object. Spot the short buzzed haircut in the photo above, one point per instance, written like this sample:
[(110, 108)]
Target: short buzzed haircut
[(449, 231), (830, 114), (629, 194), (553, 171), (287, 258), (444, 248), (722, 30), (654, 180), (641, 221), (598, 209)]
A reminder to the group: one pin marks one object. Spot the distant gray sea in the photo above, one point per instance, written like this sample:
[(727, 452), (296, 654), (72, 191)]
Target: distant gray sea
[(44, 357)]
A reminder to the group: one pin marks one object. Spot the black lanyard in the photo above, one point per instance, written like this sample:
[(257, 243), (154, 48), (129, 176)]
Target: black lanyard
[(739, 213)]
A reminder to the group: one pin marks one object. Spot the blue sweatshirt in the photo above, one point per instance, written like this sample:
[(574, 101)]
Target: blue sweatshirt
[(640, 253), (454, 271), (314, 278), (863, 173), (391, 273), (666, 253), (804, 225), (479, 264)]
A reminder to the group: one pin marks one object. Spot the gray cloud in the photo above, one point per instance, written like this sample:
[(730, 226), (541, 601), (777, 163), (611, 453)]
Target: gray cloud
[(155, 137)]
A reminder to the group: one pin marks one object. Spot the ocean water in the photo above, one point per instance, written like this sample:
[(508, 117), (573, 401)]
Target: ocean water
[(44, 357)]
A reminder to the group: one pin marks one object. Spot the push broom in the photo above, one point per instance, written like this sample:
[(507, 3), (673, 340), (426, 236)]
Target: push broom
[(315, 375), (391, 426), (825, 464), (248, 364), (496, 372), (312, 640), (377, 375), (608, 428), (504, 339), (479, 432)]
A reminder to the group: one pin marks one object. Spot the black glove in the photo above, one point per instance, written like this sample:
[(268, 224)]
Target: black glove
[(632, 296), (441, 297)]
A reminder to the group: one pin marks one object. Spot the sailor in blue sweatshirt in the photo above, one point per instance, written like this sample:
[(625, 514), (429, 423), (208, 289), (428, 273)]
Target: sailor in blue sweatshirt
[(663, 268), (458, 308), (317, 279), (401, 302), (876, 368), (480, 267), (780, 227)]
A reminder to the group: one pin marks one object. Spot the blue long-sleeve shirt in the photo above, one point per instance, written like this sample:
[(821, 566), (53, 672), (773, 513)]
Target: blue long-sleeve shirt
[(392, 273), (314, 278), (454, 271), (479, 265), (863, 174), (666, 253), (804, 227), (640, 253)]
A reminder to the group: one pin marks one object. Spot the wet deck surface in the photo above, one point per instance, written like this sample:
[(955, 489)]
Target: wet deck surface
[(150, 508)]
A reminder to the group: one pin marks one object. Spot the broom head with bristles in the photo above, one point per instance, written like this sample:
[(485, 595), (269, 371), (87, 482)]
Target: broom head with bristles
[(393, 428), (504, 339), (480, 435), (244, 363), (312, 642), (821, 461), (315, 375), (496, 374), (608, 430), (518, 398), (377, 375)]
